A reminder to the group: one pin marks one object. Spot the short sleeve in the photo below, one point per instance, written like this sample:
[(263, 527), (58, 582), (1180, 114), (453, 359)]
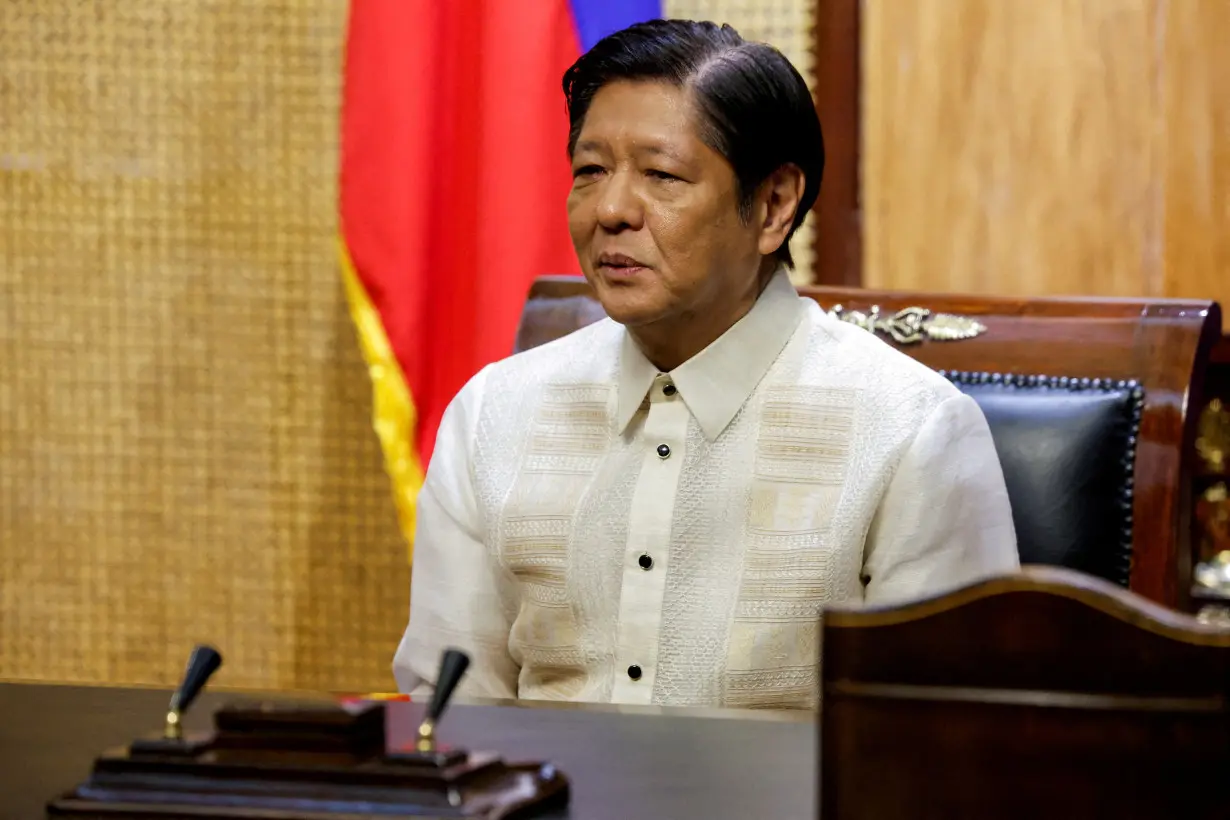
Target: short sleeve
[(945, 519)]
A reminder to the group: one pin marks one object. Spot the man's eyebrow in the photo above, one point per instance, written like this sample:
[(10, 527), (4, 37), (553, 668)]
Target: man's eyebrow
[(588, 145), (661, 151), (648, 148)]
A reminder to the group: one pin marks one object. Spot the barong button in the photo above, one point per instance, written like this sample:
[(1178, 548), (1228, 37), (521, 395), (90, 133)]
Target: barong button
[(669, 390), (664, 451), (634, 672), (645, 561)]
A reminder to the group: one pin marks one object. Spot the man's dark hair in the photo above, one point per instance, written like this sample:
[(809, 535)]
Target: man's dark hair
[(755, 108)]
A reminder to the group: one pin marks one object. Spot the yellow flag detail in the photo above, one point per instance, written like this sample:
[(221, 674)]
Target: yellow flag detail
[(393, 413)]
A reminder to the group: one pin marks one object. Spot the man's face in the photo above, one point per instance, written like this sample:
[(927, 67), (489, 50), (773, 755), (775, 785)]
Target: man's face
[(654, 211)]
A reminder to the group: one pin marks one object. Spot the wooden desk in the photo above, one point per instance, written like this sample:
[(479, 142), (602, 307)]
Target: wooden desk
[(642, 763)]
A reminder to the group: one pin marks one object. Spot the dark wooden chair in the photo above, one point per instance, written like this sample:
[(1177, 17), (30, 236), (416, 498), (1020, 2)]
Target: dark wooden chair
[(1091, 402), (1047, 694)]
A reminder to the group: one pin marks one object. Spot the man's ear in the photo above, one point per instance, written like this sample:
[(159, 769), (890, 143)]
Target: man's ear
[(779, 197)]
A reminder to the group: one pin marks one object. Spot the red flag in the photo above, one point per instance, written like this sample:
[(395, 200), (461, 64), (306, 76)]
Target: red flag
[(454, 175)]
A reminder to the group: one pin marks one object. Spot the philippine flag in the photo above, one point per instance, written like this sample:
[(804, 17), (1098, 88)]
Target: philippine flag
[(453, 181)]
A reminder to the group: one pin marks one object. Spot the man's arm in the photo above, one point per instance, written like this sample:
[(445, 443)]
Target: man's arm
[(945, 519), (459, 596)]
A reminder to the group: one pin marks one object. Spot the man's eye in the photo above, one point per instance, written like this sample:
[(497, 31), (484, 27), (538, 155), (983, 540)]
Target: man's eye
[(586, 171), (656, 174)]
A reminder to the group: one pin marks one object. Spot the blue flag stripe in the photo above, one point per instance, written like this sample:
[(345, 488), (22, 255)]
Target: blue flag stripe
[(596, 19)]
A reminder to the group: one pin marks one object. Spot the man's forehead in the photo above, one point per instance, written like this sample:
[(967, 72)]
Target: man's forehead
[(653, 117)]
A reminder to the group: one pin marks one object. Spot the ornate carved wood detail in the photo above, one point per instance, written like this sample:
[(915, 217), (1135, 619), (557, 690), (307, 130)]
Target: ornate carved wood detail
[(911, 325)]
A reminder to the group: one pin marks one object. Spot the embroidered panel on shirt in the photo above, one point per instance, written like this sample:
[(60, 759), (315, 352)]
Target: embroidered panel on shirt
[(706, 553), (571, 430), (566, 444), (802, 456)]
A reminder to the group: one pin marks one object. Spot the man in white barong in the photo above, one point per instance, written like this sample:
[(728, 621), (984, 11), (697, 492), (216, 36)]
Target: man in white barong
[(656, 508)]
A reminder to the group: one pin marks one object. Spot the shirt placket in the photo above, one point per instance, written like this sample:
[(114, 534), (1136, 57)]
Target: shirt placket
[(647, 554)]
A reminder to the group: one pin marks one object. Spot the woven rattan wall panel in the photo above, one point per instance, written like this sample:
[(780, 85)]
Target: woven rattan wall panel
[(185, 447), (786, 24)]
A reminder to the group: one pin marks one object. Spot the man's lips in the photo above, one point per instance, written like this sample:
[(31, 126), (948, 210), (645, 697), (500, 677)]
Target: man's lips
[(619, 265)]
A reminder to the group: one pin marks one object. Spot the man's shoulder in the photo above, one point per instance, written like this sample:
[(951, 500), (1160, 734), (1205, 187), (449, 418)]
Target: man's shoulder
[(884, 376), (503, 390), (584, 355)]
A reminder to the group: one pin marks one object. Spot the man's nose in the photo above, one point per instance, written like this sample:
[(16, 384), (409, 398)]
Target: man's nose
[(620, 206)]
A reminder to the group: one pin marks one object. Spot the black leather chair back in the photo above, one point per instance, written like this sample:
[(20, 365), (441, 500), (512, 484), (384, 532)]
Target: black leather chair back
[(1067, 447)]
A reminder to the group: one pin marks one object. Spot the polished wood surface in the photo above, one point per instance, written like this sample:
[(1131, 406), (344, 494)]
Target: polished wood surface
[(1047, 148), (1221, 351), (1045, 694), (643, 763), (1012, 147), (1164, 344), (837, 85), (1196, 85)]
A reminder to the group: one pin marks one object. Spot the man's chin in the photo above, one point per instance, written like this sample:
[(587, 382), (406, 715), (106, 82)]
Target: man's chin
[(630, 306), (632, 314)]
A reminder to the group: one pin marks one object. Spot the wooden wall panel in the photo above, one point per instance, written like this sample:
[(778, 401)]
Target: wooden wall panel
[(1196, 84), (837, 86), (1047, 147)]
